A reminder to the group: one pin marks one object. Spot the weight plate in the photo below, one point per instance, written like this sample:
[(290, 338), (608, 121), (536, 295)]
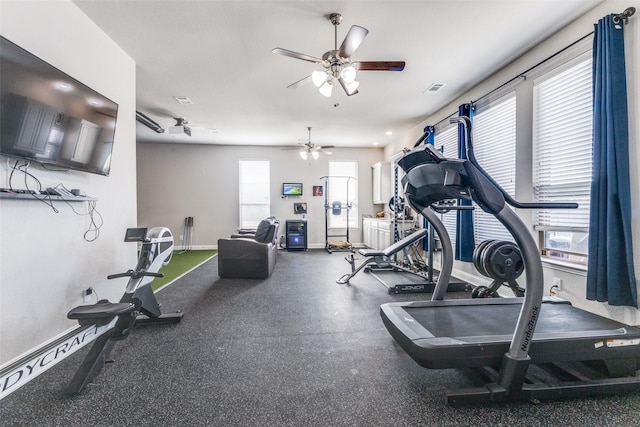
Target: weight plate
[(477, 255), (484, 257), (505, 262)]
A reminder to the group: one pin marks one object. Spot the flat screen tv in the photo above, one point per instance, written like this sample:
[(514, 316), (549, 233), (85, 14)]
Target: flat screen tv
[(50, 118), (292, 189)]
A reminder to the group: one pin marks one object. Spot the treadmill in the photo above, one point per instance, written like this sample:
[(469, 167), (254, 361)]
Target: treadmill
[(526, 348)]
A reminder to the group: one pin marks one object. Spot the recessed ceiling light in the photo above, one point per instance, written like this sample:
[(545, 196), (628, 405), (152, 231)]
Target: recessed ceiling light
[(214, 130), (375, 143), (388, 132), (434, 88), (64, 86), (183, 99)]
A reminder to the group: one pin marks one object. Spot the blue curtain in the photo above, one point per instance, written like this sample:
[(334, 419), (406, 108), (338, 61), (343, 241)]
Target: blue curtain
[(610, 275), (465, 242)]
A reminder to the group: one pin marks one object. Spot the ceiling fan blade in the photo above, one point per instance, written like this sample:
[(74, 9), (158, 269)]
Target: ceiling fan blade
[(327, 146), (299, 83), (300, 147), (354, 38), (346, 89), (296, 55), (379, 65)]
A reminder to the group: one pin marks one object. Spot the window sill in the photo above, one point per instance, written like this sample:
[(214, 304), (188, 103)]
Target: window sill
[(568, 267)]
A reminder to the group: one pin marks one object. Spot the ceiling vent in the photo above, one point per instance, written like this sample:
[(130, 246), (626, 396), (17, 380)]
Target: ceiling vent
[(184, 100), (434, 88)]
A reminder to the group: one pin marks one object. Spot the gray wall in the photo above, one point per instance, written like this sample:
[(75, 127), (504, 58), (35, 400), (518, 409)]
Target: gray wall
[(44, 261), (180, 180)]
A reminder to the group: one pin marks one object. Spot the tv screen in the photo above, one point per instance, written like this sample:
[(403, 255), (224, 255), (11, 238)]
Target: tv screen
[(48, 117), (292, 189)]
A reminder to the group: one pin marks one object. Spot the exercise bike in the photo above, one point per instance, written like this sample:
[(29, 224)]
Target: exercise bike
[(137, 306)]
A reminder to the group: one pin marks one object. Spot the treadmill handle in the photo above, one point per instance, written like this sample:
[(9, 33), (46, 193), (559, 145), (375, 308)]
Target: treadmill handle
[(466, 123), (539, 205)]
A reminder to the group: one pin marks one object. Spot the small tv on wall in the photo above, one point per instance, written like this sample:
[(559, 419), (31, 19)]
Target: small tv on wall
[(292, 189), (48, 117)]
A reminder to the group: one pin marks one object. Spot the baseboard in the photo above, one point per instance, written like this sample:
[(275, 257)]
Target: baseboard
[(23, 369), (197, 247)]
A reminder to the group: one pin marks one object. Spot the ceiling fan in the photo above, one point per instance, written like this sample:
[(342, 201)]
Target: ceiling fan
[(337, 63), (309, 148)]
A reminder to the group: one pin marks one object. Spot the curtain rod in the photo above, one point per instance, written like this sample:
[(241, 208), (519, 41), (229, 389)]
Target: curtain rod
[(628, 12)]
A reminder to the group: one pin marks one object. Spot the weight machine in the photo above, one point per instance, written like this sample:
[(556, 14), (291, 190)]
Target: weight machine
[(336, 208)]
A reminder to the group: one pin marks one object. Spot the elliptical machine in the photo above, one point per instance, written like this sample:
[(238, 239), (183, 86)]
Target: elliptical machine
[(138, 305)]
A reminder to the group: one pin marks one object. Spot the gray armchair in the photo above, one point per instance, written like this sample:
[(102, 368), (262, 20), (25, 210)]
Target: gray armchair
[(250, 256)]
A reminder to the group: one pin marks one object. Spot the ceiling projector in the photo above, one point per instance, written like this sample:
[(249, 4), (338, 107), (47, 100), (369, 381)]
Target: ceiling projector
[(180, 127)]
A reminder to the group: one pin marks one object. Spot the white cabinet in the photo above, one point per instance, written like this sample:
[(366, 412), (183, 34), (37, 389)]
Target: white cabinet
[(35, 126), (377, 233), (83, 136), (385, 234), (367, 237), (382, 182)]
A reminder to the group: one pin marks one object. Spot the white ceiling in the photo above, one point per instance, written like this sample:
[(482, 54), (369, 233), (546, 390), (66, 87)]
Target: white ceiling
[(218, 53)]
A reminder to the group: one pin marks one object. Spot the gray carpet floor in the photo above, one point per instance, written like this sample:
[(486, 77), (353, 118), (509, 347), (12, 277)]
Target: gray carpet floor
[(296, 349)]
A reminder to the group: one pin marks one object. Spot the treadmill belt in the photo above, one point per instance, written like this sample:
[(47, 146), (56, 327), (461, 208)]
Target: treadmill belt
[(475, 321)]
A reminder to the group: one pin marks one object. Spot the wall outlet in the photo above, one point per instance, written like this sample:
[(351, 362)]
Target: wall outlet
[(557, 282), (86, 294)]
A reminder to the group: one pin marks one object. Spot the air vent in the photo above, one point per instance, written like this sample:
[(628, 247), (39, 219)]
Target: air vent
[(434, 88), (183, 99)]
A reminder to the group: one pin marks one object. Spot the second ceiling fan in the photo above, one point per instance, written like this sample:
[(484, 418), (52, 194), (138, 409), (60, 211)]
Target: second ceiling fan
[(337, 63)]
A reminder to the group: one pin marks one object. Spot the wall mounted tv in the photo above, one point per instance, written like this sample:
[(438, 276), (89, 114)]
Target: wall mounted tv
[(292, 189), (48, 117)]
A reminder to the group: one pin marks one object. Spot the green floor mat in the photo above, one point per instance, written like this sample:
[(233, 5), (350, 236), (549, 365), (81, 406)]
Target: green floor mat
[(180, 263)]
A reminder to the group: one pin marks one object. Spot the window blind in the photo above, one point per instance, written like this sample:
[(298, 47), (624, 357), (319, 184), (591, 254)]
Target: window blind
[(494, 129), (254, 184), (562, 127)]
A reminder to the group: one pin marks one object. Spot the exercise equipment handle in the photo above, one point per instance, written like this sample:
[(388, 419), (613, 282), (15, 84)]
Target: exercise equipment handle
[(466, 123), (424, 136), (437, 206), (134, 274)]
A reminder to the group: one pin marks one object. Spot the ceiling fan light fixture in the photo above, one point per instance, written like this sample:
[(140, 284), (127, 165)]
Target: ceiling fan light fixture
[(326, 89), (315, 155), (351, 87), (348, 74), (319, 78), (304, 155)]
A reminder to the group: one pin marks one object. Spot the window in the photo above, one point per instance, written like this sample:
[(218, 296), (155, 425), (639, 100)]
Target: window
[(343, 188), (255, 203), (494, 145), (446, 140), (562, 137)]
